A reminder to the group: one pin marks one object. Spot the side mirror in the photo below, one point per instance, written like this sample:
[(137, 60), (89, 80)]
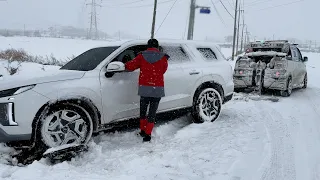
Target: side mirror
[(305, 59), (116, 67), (289, 58)]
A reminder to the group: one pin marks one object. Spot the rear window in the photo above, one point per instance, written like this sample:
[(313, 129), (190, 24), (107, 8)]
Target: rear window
[(176, 53), (267, 49), (207, 53)]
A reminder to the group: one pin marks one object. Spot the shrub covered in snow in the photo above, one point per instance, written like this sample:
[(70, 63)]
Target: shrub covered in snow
[(17, 56), (21, 55)]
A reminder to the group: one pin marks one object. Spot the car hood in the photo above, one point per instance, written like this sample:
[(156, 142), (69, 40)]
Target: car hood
[(9, 82)]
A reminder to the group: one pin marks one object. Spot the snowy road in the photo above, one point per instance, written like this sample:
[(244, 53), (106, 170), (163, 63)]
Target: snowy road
[(258, 140)]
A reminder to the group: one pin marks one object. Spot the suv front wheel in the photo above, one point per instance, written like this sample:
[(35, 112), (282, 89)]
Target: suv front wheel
[(64, 124), (207, 105)]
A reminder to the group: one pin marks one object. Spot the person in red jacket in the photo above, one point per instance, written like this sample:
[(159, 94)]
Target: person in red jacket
[(153, 64)]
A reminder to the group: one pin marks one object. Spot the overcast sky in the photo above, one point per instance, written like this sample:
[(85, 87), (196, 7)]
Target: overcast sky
[(300, 20)]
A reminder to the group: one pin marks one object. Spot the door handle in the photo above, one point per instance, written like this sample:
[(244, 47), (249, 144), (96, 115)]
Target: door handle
[(194, 72)]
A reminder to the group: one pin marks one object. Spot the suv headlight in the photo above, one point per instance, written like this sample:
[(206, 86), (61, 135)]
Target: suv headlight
[(15, 91)]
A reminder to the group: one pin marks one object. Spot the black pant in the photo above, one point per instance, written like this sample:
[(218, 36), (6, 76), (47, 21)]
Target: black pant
[(154, 104)]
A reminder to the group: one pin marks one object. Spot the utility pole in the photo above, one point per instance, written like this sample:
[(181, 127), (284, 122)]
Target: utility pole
[(238, 31), (93, 31), (235, 29), (191, 19), (154, 18), (247, 40), (192, 16), (243, 25)]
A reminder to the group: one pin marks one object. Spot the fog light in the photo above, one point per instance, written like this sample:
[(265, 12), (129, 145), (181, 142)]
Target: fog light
[(7, 114)]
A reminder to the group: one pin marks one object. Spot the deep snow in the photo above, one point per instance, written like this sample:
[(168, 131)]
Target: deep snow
[(251, 140)]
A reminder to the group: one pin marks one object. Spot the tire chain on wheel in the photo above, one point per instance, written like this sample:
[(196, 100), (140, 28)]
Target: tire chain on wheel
[(25, 157)]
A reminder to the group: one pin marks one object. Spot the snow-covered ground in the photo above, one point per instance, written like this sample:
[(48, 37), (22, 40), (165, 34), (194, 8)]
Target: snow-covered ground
[(251, 140), (60, 48)]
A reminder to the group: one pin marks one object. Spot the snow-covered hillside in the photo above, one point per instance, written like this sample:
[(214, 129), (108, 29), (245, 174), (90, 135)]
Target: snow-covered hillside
[(251, 140)]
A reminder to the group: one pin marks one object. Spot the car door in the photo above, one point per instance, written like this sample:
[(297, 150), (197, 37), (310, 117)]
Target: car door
[(301, 67), (295, 59), (174, 78), (119, 91)]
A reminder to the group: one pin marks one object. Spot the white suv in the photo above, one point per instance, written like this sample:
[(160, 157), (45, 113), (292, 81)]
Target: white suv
[(92, 92)]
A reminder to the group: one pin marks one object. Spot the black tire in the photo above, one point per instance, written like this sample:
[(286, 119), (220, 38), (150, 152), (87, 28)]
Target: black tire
[(305, 82), (197, 113), (287, 92), (73, 108)]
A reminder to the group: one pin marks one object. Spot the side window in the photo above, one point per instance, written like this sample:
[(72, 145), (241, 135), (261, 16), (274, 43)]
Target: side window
[(129, 53), (126, 56), (176, 53), (294, 53), (207, 53), (299, 54)]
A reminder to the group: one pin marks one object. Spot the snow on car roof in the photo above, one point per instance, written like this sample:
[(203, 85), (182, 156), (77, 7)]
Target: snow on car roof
[(266, 53), (161, 41)]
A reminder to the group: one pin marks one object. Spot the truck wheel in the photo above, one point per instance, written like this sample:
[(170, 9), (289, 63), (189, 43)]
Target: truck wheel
[(207, 105), (305, 81), (288, 91)]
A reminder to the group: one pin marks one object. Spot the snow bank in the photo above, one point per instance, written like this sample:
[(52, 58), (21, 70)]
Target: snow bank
[(60, 48)]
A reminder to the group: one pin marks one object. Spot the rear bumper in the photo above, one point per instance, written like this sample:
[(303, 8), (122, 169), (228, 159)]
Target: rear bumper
[(276, 84), (242, 82)]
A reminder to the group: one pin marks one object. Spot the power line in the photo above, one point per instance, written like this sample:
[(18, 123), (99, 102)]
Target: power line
[(258, 2), (147, 5), (226, 9), (280, 5), (132, 2), (230, 4), (166, 15), (215, 8)]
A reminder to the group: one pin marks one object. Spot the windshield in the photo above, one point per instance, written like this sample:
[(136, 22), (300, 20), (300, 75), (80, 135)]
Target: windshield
[(90, 59)]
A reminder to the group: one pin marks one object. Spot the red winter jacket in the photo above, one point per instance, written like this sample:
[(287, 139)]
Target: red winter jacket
[(153, 64)]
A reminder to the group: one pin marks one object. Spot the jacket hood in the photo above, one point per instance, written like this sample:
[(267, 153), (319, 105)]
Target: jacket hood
[(50, 76)]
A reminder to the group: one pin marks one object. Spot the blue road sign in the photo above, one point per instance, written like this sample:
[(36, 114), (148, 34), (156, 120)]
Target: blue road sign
[(205, 11)]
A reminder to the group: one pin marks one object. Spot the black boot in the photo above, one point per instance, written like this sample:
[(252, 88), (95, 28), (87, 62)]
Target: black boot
[(142, 133), (147, 138)]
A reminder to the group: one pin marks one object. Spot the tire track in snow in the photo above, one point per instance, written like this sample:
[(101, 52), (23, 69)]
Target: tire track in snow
[(281, 163), (312, 94)]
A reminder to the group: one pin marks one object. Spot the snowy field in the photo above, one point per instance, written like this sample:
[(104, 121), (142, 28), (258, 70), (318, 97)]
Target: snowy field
[(258, 140)]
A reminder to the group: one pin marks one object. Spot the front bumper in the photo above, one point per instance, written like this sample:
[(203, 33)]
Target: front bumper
[(227, 98), (4, 137), (17, 114)]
